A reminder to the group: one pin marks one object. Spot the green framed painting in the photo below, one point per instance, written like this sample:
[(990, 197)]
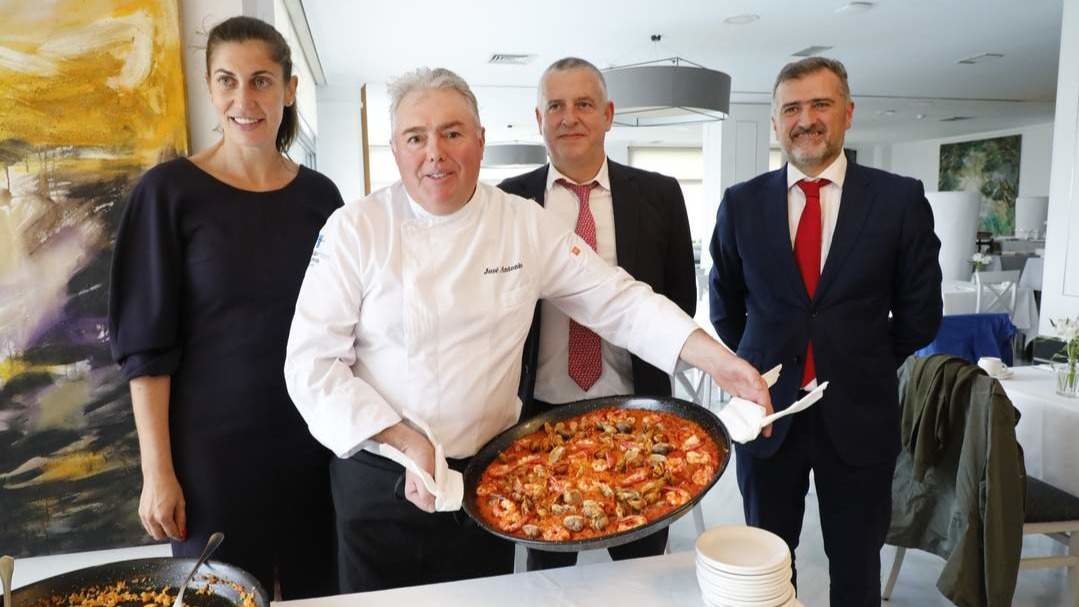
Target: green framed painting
[(991, 168)]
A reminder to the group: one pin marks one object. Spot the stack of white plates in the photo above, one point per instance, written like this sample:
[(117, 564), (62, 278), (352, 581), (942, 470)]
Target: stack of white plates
[(740, 566)]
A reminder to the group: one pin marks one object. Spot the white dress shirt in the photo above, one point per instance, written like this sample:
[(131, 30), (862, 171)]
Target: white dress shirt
[(829, 201), (402, 311), (553, 383), (830, 196)]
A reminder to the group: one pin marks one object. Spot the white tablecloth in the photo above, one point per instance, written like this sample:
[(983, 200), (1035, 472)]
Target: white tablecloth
[(961, 297), (1048, 427), (669, 579), (1031, 277)]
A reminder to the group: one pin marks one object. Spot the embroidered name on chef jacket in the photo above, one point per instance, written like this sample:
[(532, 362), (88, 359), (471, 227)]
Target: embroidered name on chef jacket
[(503, 269)]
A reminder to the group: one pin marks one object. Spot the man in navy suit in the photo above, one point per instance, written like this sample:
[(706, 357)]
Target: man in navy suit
[(831, 269), (639, 222)]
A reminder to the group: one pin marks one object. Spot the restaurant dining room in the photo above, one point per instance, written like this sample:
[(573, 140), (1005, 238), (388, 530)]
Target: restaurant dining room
[(701, 303)]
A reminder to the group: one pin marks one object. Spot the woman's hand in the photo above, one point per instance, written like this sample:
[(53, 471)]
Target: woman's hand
[(162, 509)]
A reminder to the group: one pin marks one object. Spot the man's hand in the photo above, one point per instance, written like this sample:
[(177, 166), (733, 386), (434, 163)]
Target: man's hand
[(420, 450), (729, 372)]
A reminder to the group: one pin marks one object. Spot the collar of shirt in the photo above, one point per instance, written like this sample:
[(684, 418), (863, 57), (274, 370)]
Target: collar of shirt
[(428, 218), (602, 177), (835, 173)]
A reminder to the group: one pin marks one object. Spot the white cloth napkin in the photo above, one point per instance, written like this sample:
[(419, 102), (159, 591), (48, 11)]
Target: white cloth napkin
[(745, 419), (448, 485)]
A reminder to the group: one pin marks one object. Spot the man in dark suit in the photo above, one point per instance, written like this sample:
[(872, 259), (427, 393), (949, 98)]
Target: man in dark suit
[(636, 219), (831, 269)]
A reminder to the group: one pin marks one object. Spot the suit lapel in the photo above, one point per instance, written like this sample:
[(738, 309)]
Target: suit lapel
[(778, 234), (536, 185), (626, 201), (855, 204)]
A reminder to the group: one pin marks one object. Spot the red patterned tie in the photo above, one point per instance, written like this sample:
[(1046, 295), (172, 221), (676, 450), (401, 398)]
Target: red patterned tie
[(585, 359), (807, 245)]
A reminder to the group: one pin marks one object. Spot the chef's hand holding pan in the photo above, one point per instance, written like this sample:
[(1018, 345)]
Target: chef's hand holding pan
[(415, 445), (729, 372)]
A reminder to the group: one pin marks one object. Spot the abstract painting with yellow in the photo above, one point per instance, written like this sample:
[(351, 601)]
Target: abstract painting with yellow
[(91, 95)]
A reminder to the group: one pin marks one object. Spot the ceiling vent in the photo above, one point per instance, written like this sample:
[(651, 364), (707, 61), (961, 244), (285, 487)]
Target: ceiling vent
[(510, 59), (811, 51), (956, 118), (982, 58)]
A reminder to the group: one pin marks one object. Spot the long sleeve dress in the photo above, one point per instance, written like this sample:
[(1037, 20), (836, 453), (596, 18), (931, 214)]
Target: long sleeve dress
[(204, 283)]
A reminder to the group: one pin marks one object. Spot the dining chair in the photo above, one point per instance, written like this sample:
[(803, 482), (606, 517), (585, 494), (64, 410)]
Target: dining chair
[(1047, 510), (1050, 511), (996, 291)]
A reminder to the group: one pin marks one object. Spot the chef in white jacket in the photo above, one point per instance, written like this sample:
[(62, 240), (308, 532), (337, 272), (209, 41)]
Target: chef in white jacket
[(414, 312)]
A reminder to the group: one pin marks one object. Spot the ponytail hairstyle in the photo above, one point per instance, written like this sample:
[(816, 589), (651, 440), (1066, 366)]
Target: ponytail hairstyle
[(242, 29)]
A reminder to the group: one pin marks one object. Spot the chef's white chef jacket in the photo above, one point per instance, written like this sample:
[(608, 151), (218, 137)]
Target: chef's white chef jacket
[(403, 312)]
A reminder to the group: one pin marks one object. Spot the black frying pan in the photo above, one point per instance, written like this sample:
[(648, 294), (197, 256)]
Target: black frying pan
[(687, 410), (158, 572)]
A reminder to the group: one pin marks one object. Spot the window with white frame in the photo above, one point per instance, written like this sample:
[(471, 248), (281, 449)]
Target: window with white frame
[(686, 164)]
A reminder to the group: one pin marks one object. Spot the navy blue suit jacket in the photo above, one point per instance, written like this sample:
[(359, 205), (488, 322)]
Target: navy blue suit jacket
[(883, 259)]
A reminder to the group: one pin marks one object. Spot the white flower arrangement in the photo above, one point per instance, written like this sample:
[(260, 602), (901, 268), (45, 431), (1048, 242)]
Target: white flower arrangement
[(981, 261), (1068, 330)]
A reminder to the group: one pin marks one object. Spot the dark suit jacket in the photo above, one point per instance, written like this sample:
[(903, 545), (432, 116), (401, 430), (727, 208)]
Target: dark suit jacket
[(652, 244), (883, 259)]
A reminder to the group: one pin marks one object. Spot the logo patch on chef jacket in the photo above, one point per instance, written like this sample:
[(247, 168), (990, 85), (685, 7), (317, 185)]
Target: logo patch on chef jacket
[(575, 250), (315, 255)]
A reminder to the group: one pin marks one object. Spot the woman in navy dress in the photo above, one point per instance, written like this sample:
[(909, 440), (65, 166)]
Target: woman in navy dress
[(209, 259)]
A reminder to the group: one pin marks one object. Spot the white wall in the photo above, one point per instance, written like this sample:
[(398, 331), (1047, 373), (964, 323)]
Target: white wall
[(734, 150), (921, 159), (339, 152), (306, 96), (196, 19), (1060, 285)]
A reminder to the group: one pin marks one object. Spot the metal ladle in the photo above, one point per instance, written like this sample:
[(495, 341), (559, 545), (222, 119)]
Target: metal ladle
[(7, 567), (211, 545)]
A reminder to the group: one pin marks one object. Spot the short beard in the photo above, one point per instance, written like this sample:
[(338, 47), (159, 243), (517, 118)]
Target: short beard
[(802, 158)]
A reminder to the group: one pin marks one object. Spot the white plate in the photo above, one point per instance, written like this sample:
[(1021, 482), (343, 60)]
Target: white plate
[(742, 549), (776, 578), (771, 591), (730, 570), (782, 600)]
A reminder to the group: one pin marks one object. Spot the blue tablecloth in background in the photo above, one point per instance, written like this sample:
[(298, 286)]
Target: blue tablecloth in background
[(972, 336)]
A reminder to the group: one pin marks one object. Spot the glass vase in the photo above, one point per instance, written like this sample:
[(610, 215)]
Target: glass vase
[(1068, 379)]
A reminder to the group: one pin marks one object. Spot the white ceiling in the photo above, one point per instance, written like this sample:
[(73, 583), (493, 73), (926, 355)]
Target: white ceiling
[(901, 54)]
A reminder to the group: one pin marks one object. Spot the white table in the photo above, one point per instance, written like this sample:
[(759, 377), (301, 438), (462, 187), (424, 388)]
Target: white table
[(1048, 427), (669, 579), (1031, 277), (961, 297)]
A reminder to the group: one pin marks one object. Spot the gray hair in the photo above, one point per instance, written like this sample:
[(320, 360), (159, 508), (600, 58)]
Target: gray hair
[(427, 79), (804, 67), (572, 63)]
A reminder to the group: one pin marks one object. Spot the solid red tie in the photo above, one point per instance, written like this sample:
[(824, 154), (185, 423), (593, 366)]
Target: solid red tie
[(807, 251), (585, 359)]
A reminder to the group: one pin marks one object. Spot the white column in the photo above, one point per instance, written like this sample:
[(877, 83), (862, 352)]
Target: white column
[(1060, 294), (734, 150)]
